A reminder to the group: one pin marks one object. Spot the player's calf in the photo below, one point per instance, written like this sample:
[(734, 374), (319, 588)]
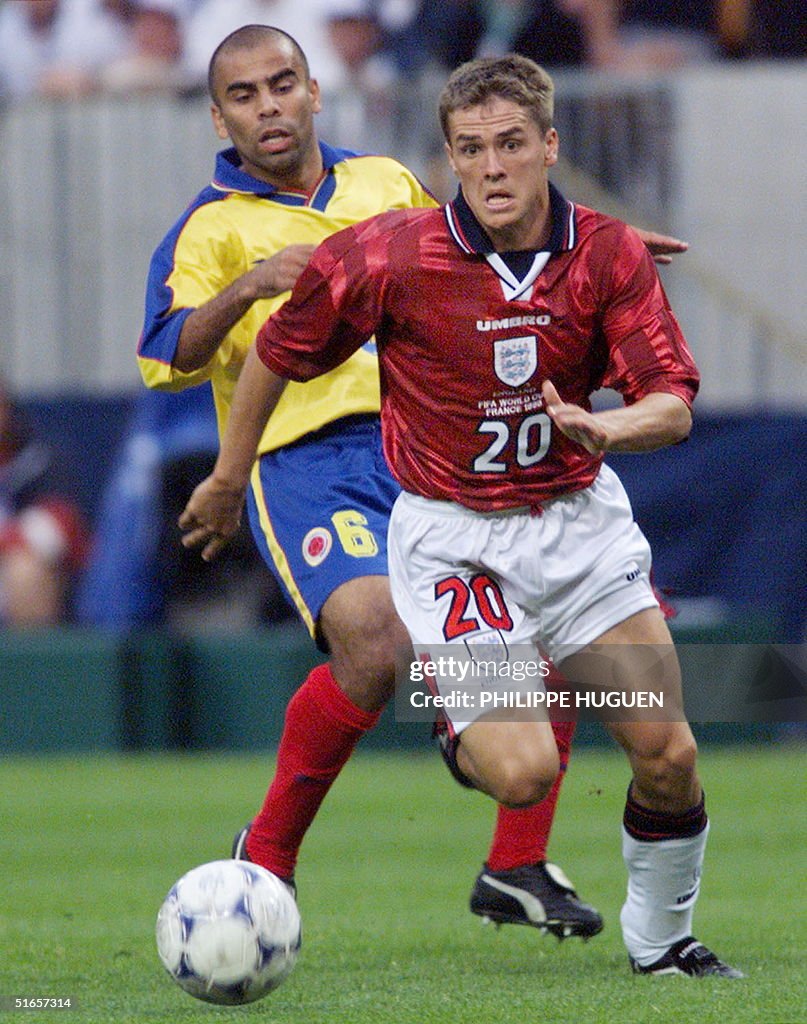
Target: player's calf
[(663, 758)]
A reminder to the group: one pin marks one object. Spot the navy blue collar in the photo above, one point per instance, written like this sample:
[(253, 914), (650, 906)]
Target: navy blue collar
[(229, 177), (472, 237)]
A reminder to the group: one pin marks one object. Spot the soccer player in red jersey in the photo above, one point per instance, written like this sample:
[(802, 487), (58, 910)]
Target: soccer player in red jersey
[(496, 318)]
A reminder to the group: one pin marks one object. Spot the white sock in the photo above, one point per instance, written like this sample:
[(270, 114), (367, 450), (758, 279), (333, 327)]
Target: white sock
[(663, 884)]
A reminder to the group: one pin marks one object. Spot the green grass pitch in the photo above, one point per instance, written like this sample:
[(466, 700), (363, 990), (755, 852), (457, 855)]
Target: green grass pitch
[(90, 846)]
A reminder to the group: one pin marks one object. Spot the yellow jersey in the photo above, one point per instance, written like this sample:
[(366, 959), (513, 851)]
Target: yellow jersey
[(230, 226)]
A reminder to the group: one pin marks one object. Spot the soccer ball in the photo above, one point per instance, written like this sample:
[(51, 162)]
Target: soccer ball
[(228, 932)]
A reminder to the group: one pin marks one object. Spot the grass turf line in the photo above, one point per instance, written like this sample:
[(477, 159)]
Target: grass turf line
[(91, 846)]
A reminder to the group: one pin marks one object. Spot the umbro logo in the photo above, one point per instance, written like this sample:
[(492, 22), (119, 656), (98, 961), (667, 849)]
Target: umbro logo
[(529, 320)]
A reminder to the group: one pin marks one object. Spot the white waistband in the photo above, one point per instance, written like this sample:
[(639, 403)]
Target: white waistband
[(437, 507)]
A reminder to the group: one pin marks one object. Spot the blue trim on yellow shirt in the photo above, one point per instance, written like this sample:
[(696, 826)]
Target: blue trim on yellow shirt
[(230, 177), (162, 330), (161, 340)]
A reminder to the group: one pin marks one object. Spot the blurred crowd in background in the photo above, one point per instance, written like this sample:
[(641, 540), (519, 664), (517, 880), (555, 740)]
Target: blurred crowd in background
[(44, 536), (75, 48)]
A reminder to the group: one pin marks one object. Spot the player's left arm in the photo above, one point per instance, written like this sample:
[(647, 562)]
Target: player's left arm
[(213, 512), (655, 421), (648, 361)]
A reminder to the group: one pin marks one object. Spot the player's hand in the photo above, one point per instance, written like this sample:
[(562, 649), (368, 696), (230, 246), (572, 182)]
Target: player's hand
[(662, 247), (211, 517), (279, 273), (574, 421)]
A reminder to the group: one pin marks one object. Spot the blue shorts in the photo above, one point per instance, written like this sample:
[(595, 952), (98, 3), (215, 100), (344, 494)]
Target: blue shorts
[(319, 510)]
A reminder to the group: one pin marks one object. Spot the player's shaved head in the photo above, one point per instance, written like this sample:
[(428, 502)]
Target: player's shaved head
[(247, 38)]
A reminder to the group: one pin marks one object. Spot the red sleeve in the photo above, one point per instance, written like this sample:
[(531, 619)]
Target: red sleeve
[(648, 351), (333, 310)]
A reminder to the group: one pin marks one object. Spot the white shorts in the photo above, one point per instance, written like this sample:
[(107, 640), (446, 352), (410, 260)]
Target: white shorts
[(554, 582)]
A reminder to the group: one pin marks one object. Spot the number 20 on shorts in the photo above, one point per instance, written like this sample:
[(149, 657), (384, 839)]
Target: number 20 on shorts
[(488, 598)]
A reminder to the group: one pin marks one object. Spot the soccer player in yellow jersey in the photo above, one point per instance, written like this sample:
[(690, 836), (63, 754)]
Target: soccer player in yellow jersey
[(320, 493)]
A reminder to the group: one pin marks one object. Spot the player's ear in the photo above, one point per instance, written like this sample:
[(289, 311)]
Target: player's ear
[(552, 146), (316, 98), (450, 156), (218, 122)]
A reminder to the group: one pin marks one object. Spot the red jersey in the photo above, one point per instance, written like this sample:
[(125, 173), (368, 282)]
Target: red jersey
[(466, 336)]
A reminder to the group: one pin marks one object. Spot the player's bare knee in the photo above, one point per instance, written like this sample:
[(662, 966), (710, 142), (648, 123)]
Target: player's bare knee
[(384, 634), (365, 636), (684, 754), (521, 784), (367, 652), (523, 791)]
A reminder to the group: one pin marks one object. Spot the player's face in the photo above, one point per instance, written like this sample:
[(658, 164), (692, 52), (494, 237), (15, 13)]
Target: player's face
[(266, 106), (501, 158)]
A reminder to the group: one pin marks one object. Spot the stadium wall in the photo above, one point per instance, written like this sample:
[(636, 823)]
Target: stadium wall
[(79, 690), (71, 690)]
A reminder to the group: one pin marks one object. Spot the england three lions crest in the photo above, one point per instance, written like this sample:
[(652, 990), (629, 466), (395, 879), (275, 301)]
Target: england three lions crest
[(515, 360)]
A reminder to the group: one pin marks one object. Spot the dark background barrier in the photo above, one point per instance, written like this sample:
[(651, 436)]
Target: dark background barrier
[(724, 512)]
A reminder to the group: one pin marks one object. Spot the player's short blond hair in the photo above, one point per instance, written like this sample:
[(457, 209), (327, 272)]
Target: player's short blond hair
[(511, 77)]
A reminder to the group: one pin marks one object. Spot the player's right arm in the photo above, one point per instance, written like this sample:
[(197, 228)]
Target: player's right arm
[(201, 282), (206, 327)]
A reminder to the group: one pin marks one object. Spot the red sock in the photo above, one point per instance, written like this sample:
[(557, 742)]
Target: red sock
[(522, 836), (321, 729)]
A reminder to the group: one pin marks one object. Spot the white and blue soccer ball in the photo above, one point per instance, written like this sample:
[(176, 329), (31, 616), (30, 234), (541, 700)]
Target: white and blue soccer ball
[(228, 932)]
